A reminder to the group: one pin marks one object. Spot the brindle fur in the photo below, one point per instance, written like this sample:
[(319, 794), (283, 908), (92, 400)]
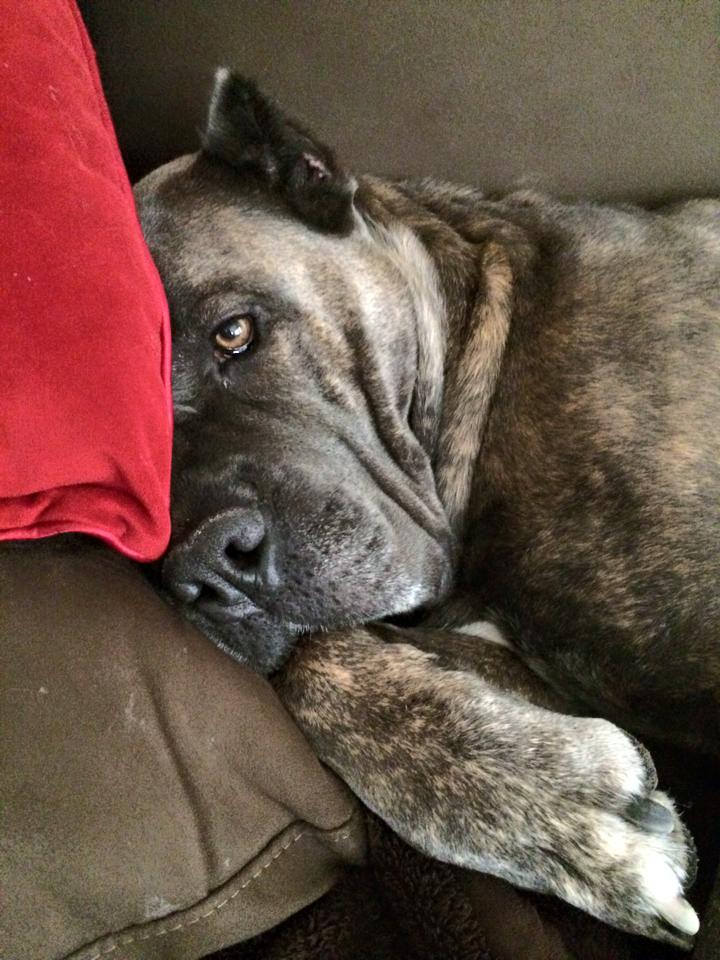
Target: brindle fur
[(469, 767), (546, 439)]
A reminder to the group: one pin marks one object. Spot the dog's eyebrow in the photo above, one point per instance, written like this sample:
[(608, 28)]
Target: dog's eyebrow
[(211, 296), (200, 293)]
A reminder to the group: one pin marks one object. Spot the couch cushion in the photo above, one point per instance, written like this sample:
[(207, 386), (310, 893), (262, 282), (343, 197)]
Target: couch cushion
[(155, 798)]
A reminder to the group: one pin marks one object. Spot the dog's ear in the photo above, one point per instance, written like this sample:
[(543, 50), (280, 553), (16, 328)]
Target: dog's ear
[(247, 130)]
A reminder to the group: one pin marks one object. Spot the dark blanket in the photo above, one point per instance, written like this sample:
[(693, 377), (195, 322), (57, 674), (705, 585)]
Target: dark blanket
[(402, 906)]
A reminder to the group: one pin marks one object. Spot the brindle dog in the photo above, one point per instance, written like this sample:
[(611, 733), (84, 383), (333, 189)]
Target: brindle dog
[(400, 397)]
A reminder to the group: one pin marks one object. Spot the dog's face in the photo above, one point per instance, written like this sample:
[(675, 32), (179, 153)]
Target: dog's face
[(302, 497)]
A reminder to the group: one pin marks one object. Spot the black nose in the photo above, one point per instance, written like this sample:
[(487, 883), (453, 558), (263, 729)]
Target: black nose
[(224, 564)]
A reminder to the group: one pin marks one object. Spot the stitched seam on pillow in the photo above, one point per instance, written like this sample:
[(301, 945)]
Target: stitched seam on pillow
[(163, 931)]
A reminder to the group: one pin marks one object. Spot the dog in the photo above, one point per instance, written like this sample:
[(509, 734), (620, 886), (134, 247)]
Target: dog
[(431, 449)]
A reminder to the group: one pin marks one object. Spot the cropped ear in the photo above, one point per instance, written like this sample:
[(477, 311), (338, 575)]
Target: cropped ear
[(248, 131)]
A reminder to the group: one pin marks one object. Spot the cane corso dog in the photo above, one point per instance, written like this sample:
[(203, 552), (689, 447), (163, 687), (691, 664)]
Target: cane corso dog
[(410, 421)]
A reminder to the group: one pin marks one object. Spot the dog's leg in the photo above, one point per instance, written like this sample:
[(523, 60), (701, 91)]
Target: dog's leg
[(467, 769)]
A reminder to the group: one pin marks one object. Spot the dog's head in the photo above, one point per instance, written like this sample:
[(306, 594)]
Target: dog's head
[(303, 493)]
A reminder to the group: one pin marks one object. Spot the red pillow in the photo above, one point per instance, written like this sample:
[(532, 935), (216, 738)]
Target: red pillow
[(85, 407)]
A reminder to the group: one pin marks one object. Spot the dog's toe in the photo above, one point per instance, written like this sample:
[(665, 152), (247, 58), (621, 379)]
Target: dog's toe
[(650, 815), (644, 862)]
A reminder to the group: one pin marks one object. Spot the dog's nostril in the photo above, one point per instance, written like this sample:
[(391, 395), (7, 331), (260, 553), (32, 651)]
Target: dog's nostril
[(208, 594), (221, 563), (188, 591), (242, 558), (218, 591)]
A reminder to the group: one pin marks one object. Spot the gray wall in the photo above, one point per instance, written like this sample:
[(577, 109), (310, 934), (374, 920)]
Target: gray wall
[(610, 98)]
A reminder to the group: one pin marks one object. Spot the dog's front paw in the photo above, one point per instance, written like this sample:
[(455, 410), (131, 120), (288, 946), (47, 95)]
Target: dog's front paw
[(631, 868), (583, 820), (618, 849), (553, 803), (616, 846), (477, 776)]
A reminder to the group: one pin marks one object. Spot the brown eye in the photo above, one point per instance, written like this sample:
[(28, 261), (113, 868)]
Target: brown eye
[(234, 335)]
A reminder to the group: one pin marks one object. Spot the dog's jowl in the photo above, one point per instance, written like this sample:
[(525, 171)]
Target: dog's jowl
[(401, 398)]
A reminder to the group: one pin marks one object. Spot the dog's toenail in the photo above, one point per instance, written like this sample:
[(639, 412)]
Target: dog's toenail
[(651, 816), (681, 915)]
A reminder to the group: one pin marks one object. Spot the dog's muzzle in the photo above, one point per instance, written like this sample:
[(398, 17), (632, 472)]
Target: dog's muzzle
[(223, 563)]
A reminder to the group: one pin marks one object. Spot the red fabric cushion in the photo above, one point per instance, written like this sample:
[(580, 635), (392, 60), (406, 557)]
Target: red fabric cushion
[(85, 409)]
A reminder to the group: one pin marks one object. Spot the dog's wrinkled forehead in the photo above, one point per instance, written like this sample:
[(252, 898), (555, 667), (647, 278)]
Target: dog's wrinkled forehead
[(205, 231)]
